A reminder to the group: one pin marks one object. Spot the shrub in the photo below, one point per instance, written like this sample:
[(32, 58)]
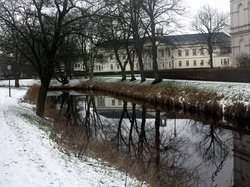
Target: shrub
[(31, 94), (243, 60)]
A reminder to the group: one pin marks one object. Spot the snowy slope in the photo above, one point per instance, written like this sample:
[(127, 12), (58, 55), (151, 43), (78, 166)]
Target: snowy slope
[(29, 158)]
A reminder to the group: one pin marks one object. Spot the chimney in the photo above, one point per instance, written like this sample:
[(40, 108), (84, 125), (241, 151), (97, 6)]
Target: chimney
[(159, 32)]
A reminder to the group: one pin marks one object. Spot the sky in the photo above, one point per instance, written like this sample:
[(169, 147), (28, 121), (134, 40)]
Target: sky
[(223, 5), (192, 7)]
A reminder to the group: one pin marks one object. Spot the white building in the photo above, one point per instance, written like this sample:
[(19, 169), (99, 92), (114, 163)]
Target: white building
[(174, 52), (240, 28)]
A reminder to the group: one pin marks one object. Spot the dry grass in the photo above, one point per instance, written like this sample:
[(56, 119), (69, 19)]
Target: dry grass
[(32, 94)]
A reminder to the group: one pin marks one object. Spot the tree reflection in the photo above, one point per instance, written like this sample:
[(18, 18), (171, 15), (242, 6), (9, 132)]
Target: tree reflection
[(212, 145), (142, 135), (138, 134), (67, 106), (119, 137), (157, 139)]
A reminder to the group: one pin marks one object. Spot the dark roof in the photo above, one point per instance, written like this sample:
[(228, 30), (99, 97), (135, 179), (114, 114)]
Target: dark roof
[(185, 39), (192, 38)]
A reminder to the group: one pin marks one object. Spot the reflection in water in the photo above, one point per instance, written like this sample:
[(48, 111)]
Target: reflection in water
[(241, 152), (176, 152), (213, 145)]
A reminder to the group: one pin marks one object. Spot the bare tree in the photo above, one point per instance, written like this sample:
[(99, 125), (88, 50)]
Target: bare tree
[(209, 23), (136, 18), (161, 13), (42, 26)]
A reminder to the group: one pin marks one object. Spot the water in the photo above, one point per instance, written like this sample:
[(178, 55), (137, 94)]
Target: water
[(191, 152)]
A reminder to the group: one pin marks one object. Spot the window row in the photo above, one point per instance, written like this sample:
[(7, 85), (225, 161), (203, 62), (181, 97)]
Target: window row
[(187, 52), (202, 63), (161, 53)]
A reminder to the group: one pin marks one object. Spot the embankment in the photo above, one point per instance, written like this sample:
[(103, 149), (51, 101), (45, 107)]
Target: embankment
[(170, 96)]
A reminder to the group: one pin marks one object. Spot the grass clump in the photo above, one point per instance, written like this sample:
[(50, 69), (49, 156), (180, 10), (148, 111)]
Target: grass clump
[(32, 94)]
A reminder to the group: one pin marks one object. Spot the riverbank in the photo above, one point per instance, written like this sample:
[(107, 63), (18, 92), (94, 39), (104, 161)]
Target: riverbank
[(217, 99), (231, 100)]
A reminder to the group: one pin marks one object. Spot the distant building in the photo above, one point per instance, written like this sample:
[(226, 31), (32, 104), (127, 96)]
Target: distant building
[(174, 52), (240, 28)]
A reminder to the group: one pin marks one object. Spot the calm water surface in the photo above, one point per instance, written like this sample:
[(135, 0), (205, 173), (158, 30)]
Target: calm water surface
[(199, 152)]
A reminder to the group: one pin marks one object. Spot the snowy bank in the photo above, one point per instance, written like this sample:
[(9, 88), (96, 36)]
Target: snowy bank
[(28, 157)]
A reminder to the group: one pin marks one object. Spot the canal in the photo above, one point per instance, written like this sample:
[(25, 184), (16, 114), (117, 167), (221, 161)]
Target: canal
[(170, 148)]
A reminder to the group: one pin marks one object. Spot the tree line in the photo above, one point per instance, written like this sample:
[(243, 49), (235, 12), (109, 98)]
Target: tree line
[(51, 34)]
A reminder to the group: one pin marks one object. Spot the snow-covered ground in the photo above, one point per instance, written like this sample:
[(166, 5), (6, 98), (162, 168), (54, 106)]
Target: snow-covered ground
[(28, 157)]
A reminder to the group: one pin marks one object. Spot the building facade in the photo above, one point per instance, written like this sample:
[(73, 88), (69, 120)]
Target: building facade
[(174, 52), (240, 28)]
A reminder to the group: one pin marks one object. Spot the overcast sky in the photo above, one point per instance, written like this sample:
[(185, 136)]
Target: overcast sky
[(223, 5), (192, 6)]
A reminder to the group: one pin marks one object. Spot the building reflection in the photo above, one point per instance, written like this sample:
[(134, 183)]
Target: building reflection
[(241, 153)]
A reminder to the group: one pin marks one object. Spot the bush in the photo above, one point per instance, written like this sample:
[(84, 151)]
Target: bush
[(243, 60), (31, 94)]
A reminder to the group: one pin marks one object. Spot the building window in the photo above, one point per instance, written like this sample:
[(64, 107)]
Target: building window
[(113, 102), (147, 53), (221, 61), (162, 52), (225, 61), (202, 62), (180, 63), (117, 66), (187, 52), (111, 66), (202, 51), (168, 52), (170, 64), (187, 63), (194, 62), (194, 52), (101, 101), (111, 57), (119, 102), (179, 53)]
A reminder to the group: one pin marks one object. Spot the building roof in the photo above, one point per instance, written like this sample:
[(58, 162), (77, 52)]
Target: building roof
[(185, 39), (192, 38)]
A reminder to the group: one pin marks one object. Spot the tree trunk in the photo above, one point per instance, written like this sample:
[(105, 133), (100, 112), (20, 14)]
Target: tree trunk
[(154, 53), (17, 81), (132, 72), (123, 71), (42, 96), (123, 67), (131, 63), (211, 59), (141, 65), (17, 69)]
